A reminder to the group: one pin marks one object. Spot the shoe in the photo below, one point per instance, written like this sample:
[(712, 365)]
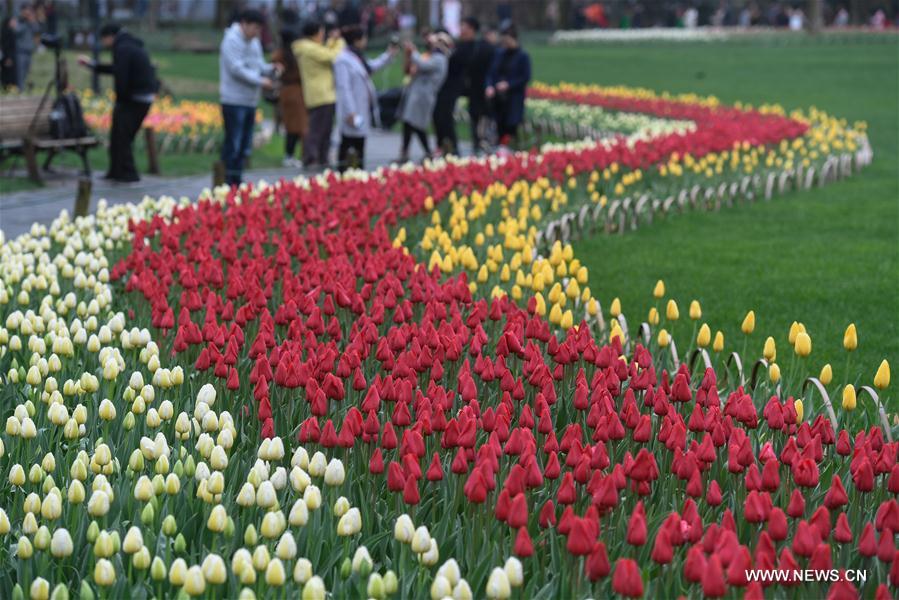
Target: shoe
[(290, 162)]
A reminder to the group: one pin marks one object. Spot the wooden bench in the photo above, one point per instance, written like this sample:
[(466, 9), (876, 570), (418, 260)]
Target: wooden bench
[(25, 130)]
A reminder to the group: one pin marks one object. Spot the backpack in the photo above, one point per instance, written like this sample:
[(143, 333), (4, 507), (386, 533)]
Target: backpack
[(66, 118)]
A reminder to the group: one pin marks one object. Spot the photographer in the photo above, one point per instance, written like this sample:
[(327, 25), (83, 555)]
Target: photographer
[(135, 89)]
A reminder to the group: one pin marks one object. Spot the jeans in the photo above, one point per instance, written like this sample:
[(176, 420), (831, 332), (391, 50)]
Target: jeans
[(127, 117), (239, 124)]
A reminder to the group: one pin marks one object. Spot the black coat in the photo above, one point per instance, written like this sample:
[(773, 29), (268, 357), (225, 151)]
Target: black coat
[(514, 67), (480, 59), (131, 69), (7, 54)]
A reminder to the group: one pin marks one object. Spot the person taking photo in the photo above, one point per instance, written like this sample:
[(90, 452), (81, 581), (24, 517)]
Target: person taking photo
[(135, 85)]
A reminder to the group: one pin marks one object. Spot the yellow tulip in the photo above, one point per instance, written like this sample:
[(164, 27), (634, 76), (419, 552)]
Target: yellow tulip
[(704, 337), (850, 338), (748, 325), (615, 308), (882, 377), (653, 317), (695, 310), (659, 290), (849, 399), (774, 373), (826, 374), (770, 350), (803, 344), (800, 409), (671, 311), (718, 344), (664, 339)]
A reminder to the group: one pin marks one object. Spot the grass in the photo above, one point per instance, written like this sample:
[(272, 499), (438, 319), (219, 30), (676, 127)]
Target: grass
[(826, 257)]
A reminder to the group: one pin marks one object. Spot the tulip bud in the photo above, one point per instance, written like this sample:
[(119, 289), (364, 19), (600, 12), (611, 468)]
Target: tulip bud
[(217, 519), (104, 573), (157, 569), (748, 325), (346, 568), (302, 571), (169, 526), (391, 582), (498, 585), (514, 571), (194, 582), (695, 310), (704, 336), (671, 311), (663, 338), (314, 589), (274, 573), (214, 570), (375, 587), (334, 473), (803, 344), (659, 290), (180, 544), (774, 373), (850, 338), (798, 405), (849, 399), (60, 592), (250, 537), (134, 540), (440, 588), (40, 589), (421, 539), (882, 377), (826, 374), (770, 350), (615, 308), (141, 559)]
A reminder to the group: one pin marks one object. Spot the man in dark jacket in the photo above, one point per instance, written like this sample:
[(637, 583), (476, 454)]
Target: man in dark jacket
[(452, 88), (478, 55), (135, 90), (507, 83)]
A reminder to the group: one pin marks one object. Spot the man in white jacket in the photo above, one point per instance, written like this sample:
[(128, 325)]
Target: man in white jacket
[(243, 72)]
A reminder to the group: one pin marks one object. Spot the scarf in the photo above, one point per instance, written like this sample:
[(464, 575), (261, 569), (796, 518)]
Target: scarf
[(361, 57)]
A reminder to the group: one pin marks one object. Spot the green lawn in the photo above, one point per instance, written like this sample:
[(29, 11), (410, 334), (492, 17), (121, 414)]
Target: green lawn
[(825, 257)]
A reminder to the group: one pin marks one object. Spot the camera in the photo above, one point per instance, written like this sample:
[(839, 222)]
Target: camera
[(51, 41)]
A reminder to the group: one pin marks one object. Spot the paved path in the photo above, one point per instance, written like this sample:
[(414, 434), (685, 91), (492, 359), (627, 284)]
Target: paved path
[(20, 209)]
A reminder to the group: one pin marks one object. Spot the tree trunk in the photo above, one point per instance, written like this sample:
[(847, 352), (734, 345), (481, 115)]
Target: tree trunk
[(815, 16), (153, 15), (223, 13)]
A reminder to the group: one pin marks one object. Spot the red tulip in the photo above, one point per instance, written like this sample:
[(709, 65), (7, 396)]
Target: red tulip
[(523, 545), (662, 550), (713, 584), (713, 496), (796, 507), (842, 590), (695, 564), (777, 524), (886, 546), (597, 564), (867, 541), (842, 533), (518, 512), (547, 515), (410, 491), (636, 527), (627, 580), (581, 537)]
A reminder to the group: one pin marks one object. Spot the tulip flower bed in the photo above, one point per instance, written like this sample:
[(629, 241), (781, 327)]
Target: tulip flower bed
[(181, 126), (269, 393), (574, 121)]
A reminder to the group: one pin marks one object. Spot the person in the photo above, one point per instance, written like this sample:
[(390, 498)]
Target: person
[(507, 83), (357, 100), (427, 71), (135, 87), (290, 100), (479, 58), (8, 77), (243, 72), (27, 29), (449, 93), (316, 61)]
